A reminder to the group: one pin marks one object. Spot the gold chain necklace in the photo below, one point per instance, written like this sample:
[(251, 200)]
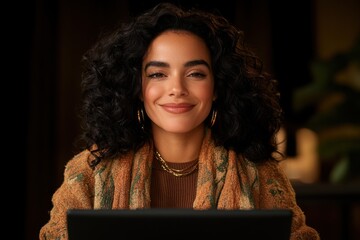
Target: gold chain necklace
[(174, 171)]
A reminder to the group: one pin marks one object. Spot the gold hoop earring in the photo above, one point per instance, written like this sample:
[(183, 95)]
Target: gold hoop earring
[(141, 118), (213, 118)]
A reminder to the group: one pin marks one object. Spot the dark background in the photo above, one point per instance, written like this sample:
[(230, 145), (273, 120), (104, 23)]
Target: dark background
[(44, 41)]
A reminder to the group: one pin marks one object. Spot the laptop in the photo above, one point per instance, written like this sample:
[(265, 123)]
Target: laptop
[(175, 223)]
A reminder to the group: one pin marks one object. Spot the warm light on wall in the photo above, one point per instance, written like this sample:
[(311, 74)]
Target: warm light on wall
[(305, 166)]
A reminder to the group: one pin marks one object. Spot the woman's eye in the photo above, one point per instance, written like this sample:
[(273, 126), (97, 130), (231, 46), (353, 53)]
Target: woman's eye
[(197, 75), (156, 75)]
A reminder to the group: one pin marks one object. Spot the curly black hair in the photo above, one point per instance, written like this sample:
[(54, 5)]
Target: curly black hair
[(249, 114)]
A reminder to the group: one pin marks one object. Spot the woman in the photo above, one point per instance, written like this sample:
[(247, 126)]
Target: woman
[(177, 114)]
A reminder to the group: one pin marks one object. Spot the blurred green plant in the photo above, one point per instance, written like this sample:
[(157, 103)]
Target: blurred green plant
[(334, 96)]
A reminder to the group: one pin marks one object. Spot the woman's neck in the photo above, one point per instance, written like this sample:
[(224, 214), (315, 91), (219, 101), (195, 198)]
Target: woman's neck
[(179, 147)]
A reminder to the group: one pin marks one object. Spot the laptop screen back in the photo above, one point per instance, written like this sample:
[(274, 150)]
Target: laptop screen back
[(178, 224)]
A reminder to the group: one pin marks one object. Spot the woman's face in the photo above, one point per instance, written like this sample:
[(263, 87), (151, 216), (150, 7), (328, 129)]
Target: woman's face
[(177, 82)]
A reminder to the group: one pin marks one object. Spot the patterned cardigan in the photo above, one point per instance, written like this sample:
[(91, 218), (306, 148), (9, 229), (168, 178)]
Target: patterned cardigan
[(225, 181)]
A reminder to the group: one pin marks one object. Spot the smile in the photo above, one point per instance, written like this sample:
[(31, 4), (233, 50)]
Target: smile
[(177, 108)]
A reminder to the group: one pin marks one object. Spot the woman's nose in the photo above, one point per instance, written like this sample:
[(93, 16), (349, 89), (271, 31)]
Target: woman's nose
[(178, 86)]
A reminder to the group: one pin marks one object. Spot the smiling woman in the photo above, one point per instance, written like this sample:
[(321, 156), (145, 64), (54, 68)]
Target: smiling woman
[(177, 113), (177, 92)]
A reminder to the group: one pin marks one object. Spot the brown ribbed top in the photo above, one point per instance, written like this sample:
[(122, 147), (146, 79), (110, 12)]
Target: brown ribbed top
[(169, 191)]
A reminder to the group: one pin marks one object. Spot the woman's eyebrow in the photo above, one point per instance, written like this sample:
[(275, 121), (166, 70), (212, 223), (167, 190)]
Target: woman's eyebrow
[(197, 62), (187, 64), (156, 64)]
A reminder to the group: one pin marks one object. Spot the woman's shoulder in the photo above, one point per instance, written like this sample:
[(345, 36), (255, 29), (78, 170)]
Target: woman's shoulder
[(79, 160), (267, 169), (78, 166), (263, 166), (81, 166), (270, 168), (273, 176)]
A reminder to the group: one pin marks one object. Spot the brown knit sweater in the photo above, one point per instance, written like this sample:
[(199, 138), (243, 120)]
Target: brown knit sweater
[(225, 180), (168, 191)]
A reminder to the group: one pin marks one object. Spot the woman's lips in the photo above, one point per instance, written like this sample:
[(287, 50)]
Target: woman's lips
[(177, 107)]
